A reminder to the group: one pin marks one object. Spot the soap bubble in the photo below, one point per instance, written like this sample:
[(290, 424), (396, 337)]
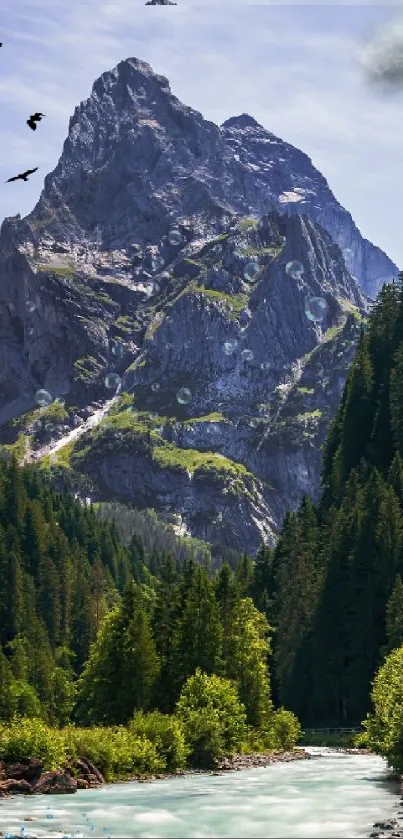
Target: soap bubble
[(265, 365), (253, 422), (43, 397), (244, 318), (117, 350), (174, 236), (31, 306), (315, 308), (247, 355), (155, 386), (251, 271), (112, 381), (157, 263), (184, 396), (230, 346), (294, 269)]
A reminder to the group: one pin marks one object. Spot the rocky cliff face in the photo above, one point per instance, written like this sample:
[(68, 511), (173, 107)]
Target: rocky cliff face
[(168, 262)]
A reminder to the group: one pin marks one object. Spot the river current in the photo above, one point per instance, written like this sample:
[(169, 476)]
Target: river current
[(332, 795)]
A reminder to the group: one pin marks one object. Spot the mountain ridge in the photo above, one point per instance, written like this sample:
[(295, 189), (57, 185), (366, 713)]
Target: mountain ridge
[(158, 261)]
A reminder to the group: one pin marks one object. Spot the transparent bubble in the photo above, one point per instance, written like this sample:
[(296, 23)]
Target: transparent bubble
[(187, 345), (168, 345), (230, 346), (244, 318), (315, 308), (43, 397), (253, 422), (247, 355), (251, 271), (184, 395), (31, 306), (112, 381), (265, 365), (117, 350), (157, 263), (294, 269), (155, 386), (174, 236)]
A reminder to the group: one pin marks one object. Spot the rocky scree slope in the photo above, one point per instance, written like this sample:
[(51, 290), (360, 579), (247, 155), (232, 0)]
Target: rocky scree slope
[(133, 276)]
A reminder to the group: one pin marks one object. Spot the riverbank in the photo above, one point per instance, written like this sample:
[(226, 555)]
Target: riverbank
[(27, 777), (332, 796), (393, 827)]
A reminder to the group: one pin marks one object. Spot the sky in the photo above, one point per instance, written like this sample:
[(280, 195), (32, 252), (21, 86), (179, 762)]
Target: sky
[(305, 72)]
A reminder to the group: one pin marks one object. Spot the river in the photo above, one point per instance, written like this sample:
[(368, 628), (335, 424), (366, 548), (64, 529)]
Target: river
[(332, 795)]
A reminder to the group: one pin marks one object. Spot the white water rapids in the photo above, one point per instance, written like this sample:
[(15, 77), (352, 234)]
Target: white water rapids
[(331, 795)]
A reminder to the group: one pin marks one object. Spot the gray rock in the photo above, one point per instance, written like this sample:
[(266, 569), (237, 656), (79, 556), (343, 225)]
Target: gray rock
[(96, 263)]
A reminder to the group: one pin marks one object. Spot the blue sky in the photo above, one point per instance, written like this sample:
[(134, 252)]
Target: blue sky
[(298, 69)]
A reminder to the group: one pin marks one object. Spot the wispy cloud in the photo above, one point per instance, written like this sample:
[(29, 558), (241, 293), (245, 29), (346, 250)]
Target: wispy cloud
[(382, 57)]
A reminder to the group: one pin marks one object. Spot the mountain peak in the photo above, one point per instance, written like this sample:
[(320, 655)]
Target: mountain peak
[(241, 121)]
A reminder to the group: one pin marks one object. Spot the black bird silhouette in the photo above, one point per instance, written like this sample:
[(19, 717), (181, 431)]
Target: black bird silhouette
[(34, 118), (23, 176)]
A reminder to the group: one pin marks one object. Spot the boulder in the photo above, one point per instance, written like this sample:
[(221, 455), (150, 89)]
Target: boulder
[(55, 783), (85, 770), (82, 783), (26, 770), (12, 786)]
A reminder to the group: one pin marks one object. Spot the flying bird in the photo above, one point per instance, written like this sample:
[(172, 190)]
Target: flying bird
[(23, 176), (34, 118)]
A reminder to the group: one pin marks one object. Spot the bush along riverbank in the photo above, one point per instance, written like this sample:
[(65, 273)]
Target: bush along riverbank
[(208, 731)]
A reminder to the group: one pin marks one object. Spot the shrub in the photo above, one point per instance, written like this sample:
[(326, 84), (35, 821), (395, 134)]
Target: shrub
[(284, 730), (384, 727), (213, 718), (23, 737), (115, 751), (167, 735)]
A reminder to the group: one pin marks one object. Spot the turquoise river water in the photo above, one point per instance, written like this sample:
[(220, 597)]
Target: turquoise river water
[(332, 795)]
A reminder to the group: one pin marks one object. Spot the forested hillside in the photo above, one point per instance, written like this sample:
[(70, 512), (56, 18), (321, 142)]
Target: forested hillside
[(93, 632), (336, 570), (81, 612)]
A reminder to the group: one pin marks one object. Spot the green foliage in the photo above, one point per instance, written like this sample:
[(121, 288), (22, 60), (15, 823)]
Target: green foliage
[(23, 737), (213, 718), (167, 735), (384, 726), (247, 649), (23, 700), (116, 751), (86, 369), (284, 730), (117, 632), (247, 223)]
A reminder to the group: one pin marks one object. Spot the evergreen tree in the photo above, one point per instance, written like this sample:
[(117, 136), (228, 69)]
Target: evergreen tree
[(394, 616)]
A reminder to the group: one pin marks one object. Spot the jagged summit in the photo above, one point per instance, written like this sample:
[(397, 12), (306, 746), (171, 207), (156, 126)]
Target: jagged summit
[(136, 157), (192, 264), (242, 121)]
